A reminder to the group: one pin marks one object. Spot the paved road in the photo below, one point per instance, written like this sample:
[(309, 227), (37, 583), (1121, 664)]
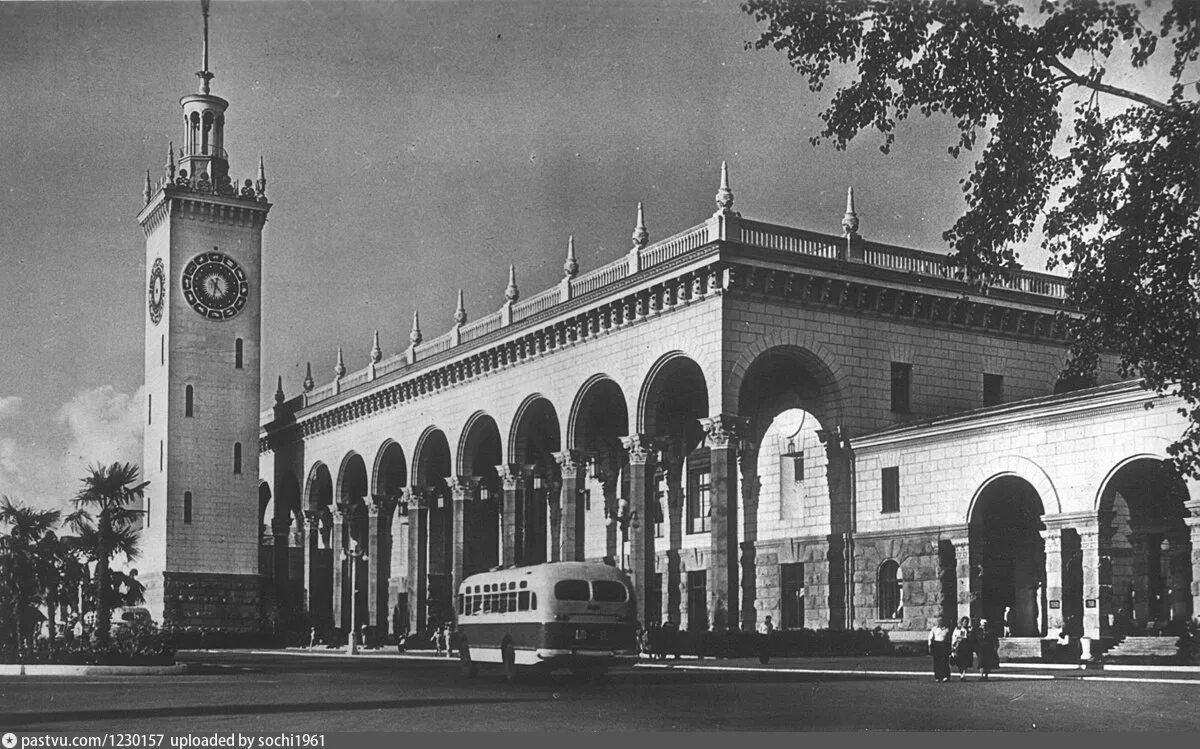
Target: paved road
[(286, 692)]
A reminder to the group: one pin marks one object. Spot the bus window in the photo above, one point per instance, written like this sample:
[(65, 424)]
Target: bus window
[(609, 591), (523, 600), (572, 590), (476, 604), (524, 583), (533, 601), (503, 603), (460, 603), (512, 600)]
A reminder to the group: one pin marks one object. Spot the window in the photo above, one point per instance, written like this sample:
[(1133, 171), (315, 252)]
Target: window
[(889, 591), (237, 354), (237, 457), (901, 387), (149, 408), (572, 590), (160, 455), (699, 493), (188, 398), (993, 389), (609, 591), (162, 349), (697, 600), (891, 489), (791, 604), (187, 507), (660, 499)]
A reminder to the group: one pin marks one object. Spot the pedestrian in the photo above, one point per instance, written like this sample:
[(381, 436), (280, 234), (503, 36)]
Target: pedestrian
[(960, 646), (987, 644), (312, 638), (450, 639), (402, 641), (939, 648), (670, 636), (439, 639), (765, 632)]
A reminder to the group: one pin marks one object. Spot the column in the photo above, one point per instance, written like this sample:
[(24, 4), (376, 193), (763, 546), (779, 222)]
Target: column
[(279, 565), (312, 529), (461, 491), (569, 543), (372, 581), (964, 580), (640, 526), (751, 484), (674, 596), (337, 544), (1052, 614), (1180, 559), (1193, 524), (508, 474), (1142, 587), (721, 434), (554, 528), (1089, 549), (415, 580)]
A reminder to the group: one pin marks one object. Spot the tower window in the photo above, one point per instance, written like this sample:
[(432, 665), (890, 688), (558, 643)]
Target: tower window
[(993, 389), (901, 387), (237, 354), (891, 489), (187, 507), (237, 457), (188, 398), (149, 408)]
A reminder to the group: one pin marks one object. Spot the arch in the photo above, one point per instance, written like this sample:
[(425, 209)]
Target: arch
[(592, 388), (889, 590), (389, 473), (782, 377), (480, 428), (264, 503), (352, 479), (536, 414), (318, 487), (1140, 447), (1021, 467), (431, 456), (811, 350), (682, 401)]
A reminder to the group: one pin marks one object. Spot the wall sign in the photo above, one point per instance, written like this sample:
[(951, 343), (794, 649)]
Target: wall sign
[(1055, 605), (1090, 603)]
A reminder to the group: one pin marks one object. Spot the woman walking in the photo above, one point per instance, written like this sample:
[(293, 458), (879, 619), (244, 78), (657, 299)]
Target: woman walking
[(961, 647), (939, 648), (987, 643)]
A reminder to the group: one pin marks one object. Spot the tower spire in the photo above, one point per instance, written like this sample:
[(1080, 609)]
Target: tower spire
[(850, 219), (376, 352), (205, 75), (414, 335), (512, 293), (641, 237), (460, 313), (571, 266), (279, 396)]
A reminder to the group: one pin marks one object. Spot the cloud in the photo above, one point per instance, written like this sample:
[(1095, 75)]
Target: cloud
[(9, 404), (105, 427)]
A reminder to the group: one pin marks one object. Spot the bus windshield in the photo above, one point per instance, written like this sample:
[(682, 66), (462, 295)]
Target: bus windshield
[(609, 591), (572, 590)]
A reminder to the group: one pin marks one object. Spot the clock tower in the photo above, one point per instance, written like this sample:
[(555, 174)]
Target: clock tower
[(203, 330)]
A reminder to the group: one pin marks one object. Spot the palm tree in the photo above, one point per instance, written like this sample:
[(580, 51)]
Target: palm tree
[(22, 553), (106, 521)]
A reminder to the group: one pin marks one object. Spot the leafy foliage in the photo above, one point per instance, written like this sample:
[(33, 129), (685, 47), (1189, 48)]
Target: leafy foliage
[(1120, 205), (25, 570)]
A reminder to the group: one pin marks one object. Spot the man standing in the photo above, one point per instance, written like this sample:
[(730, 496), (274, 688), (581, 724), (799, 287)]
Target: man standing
[(765, 631)]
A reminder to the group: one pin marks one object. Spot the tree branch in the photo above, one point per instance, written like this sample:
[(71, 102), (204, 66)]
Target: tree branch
[(1114, 90)]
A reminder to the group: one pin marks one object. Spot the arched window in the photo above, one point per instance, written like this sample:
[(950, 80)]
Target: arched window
[(162, 349), (187, 507), (237, 354), (237, 457), (149, 408), (889, 591), (188, 397)]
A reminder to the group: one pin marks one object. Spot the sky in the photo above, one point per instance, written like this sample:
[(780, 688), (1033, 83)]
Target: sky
[(411, 149)]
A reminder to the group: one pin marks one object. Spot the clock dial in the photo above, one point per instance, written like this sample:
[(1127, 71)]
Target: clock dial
[(215, 285), (158, 291)]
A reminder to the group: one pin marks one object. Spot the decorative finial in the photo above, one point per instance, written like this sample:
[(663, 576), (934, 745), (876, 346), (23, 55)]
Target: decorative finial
[(171, 163), (724, 194), (376, 352), (146, 190), (641, 237), (339, 369), (205, 75), (308, 380), (460, 313), (571, 266), (279, 390), (512, 294), (850, 220), (260, 186), (414, 335)]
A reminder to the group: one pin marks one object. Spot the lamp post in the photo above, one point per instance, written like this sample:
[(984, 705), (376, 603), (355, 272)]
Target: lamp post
[(626, 519), (353, 555)]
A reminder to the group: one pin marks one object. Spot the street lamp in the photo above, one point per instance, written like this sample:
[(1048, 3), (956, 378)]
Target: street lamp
[(353, 555), (626, 519)]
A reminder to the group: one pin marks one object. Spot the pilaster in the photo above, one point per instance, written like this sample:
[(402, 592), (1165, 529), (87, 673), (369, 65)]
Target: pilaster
[(640, 529), (721, 433), (416, 580), (509, 474)]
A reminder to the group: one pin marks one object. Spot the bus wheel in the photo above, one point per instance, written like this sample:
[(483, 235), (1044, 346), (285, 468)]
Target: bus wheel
[(465, 665), (508, 654)]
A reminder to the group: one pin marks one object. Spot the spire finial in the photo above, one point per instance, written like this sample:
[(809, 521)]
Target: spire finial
[(170, 167), (376, 352), (512, 294), (279, 390), (414, 335), (724, 194), (205, 75), (850, 219), (571, 266), (460, 312), (260, 186), (146, 190), (339, 369), (641, 237), (308, 379)]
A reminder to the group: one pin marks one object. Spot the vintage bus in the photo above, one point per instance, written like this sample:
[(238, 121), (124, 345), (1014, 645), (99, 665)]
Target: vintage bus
[(575, 615)]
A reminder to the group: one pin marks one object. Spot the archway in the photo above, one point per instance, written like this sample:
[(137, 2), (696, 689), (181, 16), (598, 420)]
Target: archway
[(353, 535), (318, 553), (389, 480), (599, 419), (1145, 551), (1007, 555), (431, 553), (480, 451), (535, 439)]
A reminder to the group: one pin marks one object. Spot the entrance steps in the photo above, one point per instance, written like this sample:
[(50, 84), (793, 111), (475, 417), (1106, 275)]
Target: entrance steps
[(1020, 648), (1144, 647)]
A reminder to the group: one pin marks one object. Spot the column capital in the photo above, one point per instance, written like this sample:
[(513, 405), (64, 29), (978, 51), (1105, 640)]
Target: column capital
[(312, 519), (462, 487), (280, 526), (721, 431), (510, 474), (571, 460), (373, 508), (415, 497), (640, 448), (1089, 537), (1052, 540), (962, 549)]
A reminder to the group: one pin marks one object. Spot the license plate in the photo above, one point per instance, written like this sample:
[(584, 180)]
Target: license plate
[(581, 634)]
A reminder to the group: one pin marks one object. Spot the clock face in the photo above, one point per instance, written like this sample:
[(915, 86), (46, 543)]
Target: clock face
[(215, 285), (158, 291)]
